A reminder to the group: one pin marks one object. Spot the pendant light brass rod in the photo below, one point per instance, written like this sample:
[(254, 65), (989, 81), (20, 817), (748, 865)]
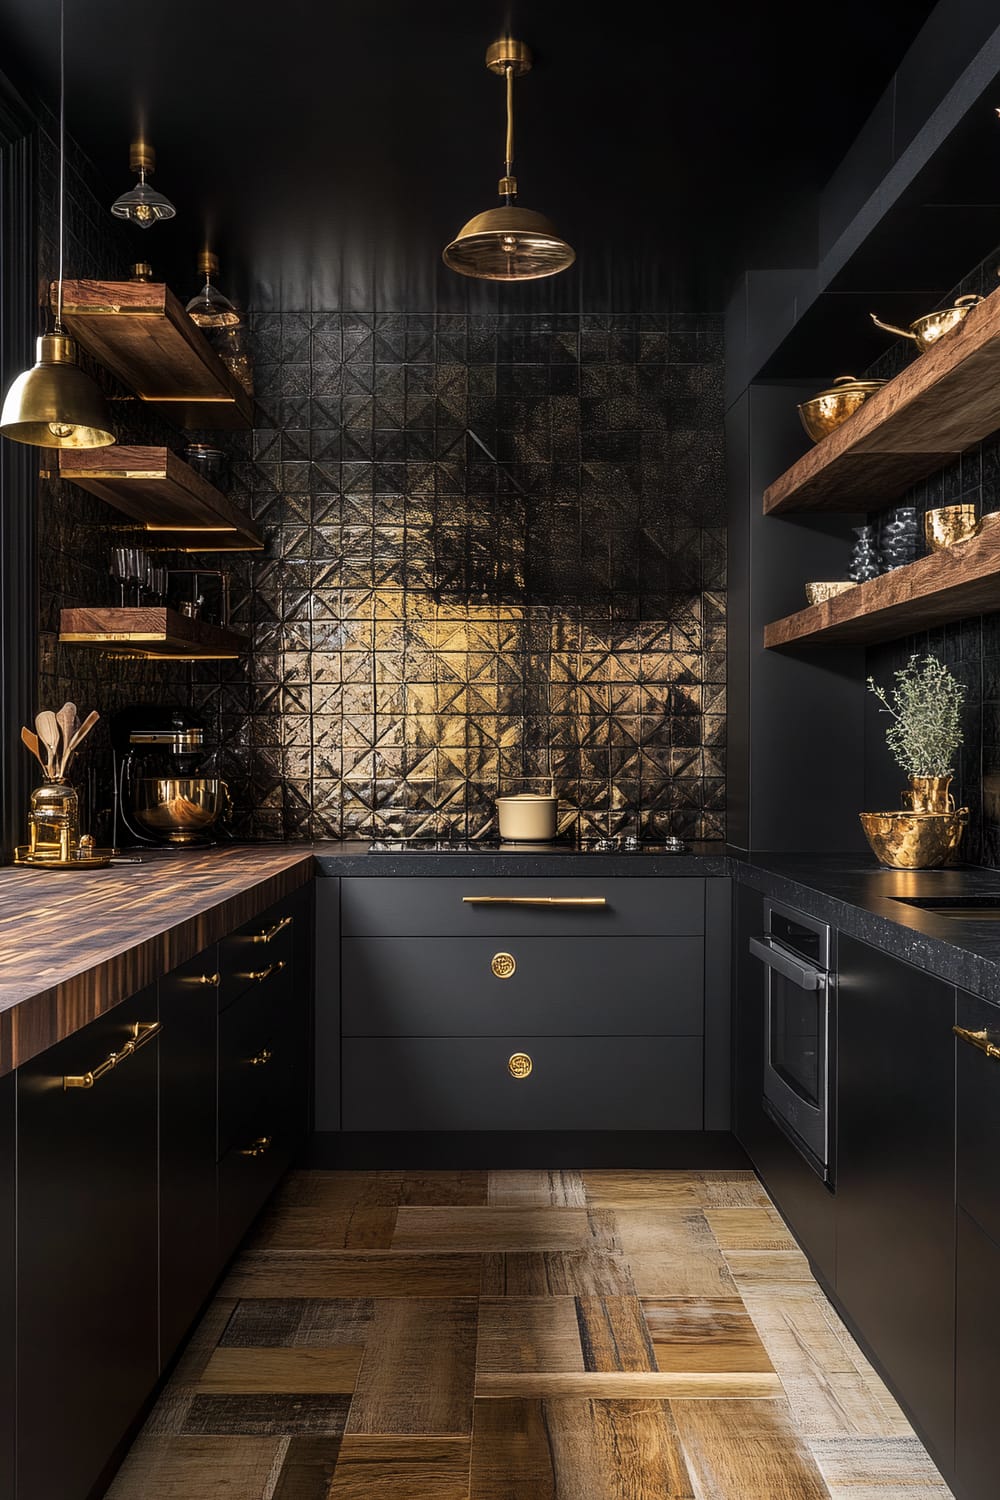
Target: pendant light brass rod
[(62, 159), (509, 71)]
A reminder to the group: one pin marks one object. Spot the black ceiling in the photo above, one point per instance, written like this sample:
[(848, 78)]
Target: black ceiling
[(330, 151)]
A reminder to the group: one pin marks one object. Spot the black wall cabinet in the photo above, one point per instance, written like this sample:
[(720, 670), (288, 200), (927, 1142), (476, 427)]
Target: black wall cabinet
[(895, 1179)]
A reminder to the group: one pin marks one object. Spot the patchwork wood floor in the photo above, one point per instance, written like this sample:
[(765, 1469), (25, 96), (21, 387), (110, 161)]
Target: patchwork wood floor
[(524, 1336)]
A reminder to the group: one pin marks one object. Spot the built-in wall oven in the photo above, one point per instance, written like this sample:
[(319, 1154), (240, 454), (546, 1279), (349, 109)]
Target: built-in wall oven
[(795, 950)]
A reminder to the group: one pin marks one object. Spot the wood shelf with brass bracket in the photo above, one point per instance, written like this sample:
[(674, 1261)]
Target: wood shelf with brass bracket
[(942, 403), (947, 585), (178, 509), (141, 333), (150, 632), (978, 1039), (141, 1034)]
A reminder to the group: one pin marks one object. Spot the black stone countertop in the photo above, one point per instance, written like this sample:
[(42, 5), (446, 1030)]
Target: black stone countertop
[(855, 895), (353, 858)]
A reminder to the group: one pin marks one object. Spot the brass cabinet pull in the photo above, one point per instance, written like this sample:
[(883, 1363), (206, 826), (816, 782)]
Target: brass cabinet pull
[(534, 900), (261, 974), (262, 1058), (210, 979), (272, 932), (978, 1039), (260, 1145), (503, 965), (141, 1034), (519, 1065)]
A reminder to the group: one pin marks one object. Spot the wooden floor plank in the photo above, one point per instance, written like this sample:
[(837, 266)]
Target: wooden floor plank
[(639, 1385), (691, 1334), (518, 1334), (762, 1270), (268, 1414), (455, 1189), (418, 1373), (492, 1229), (308, 1468), (298, 1322), (333, 1229), (673, 1253), (576, 1450), (878, 1469), (731, 1190), (401, 1469), (282, 1370), (556, 1274), (537, 1189), (198, 1468), (643, 1189), (354, 1274), (749, 1229), (339, 1190), (613, 1334), (736, 1450)]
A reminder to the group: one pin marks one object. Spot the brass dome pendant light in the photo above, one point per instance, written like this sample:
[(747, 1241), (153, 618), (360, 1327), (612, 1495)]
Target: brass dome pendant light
[(55, 404), (509, 243)]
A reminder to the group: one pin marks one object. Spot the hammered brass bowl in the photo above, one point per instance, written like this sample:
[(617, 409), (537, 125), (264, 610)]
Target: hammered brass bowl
[(827, 410), (819, 593), (914, 841), (950, 524), (180, 810)]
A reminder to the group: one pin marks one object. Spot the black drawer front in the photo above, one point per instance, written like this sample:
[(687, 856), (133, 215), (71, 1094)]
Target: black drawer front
[(435, 907), (268, 940), (978, 1093), (251, 1169), (640, 986), (576, 1083), (260, 1046)]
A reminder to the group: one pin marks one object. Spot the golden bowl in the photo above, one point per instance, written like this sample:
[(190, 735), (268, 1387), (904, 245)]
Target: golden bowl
[(827, 410), (819, 593), (950, 524), (914, 841), (180, 810)]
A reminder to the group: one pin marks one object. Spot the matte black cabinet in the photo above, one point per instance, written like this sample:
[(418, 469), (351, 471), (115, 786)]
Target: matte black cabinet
[(896, 1181), (977, 1077), (87, 1252), (189, 1251)]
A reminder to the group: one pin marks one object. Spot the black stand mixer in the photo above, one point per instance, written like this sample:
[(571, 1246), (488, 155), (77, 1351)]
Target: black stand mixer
[(158, 798)]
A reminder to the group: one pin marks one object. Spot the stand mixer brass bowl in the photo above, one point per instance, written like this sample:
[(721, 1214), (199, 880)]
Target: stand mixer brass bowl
[(179, 810), (914, 840)]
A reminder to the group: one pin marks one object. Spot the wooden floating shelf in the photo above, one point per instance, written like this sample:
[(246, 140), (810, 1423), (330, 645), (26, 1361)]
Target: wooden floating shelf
[(947, 585), (150, 631), (156, 488), (141, 332), (946, 400)]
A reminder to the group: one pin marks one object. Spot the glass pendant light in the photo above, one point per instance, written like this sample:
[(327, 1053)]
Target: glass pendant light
[(508, 243), (143, 206), (210, 309), (55, 404)]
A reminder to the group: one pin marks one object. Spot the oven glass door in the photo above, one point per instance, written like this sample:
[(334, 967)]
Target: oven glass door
[(795, 1043), (796, 1050)]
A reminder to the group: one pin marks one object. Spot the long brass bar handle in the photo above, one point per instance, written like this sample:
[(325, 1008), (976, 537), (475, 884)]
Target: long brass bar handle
[(272, 932), (978, 1039), (261, 974), (534, 900), (260, 1145), (141, 1034)]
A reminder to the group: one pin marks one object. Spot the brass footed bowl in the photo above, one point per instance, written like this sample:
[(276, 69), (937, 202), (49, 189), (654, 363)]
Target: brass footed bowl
[(179, 810), (950, 524), (914, 841), (829, 408)]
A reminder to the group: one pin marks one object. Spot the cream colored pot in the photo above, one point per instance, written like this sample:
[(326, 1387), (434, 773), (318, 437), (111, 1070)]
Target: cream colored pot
[(528, 817)]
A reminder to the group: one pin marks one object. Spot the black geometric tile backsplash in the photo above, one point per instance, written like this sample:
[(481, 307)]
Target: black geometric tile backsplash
[(495, 551)]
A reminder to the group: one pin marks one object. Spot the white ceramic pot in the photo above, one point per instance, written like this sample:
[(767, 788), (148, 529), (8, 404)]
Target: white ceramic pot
[(528, 817)]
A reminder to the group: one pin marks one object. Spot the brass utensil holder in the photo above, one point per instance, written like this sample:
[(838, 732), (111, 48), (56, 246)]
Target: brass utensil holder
[(54, 823)]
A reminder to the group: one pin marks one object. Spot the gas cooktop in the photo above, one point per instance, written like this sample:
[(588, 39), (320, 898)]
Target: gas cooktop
[(614, 844)]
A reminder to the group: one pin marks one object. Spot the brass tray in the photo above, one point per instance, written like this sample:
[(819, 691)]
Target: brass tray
[(96, 860)]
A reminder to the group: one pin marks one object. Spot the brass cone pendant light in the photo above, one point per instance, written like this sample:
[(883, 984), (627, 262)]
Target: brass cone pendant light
[(509, 243), (55, 404)]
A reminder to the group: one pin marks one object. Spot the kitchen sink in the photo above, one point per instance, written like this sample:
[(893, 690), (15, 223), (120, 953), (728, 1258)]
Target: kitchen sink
[(959, 908)]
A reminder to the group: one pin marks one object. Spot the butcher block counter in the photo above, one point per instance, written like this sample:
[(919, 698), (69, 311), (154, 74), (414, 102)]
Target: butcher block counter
[(73, 944)]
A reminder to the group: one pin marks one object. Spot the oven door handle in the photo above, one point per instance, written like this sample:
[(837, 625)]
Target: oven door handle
[(804, 975)]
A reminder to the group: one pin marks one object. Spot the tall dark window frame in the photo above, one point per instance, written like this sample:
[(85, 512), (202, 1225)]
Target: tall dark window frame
[(19, 322)]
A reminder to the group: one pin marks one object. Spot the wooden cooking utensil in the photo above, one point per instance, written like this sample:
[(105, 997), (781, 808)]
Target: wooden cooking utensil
[(79, 736), (48, 732), (68, 724), (31, 740)]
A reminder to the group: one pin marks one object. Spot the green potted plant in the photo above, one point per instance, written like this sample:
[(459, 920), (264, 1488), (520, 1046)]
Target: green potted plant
[(926, 711)]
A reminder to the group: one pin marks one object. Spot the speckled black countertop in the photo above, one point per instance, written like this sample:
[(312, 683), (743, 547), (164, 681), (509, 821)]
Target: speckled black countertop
[(354, 858), (856, 896)]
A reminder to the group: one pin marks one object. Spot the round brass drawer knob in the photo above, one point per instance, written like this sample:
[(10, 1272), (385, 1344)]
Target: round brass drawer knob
[(503, 965), (519, 1065)]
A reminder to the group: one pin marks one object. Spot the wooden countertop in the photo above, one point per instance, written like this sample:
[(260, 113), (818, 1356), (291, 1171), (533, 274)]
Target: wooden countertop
[(75, 943)]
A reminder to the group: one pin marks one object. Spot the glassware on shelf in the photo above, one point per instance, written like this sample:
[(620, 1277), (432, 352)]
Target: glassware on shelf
[(128, 567), (899, 537), (211, 463), (866, 562), (54, 822), (233, 348)]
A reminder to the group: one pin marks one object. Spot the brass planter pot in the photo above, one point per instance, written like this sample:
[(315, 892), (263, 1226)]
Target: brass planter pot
[(914, 840), (929, 794)]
